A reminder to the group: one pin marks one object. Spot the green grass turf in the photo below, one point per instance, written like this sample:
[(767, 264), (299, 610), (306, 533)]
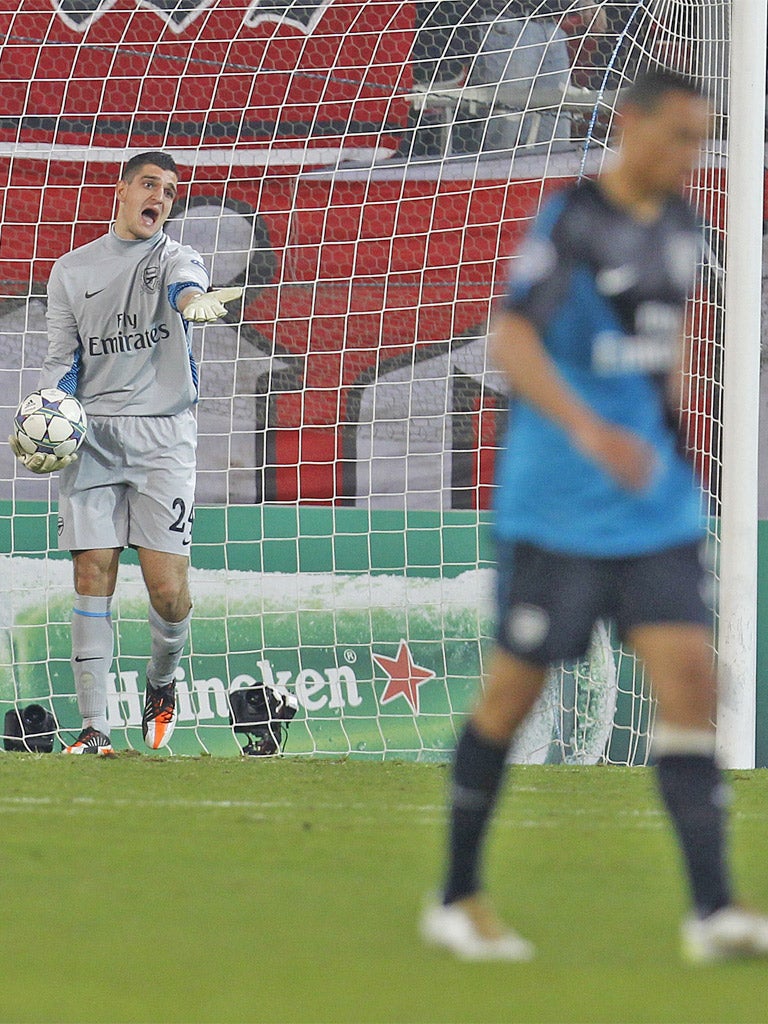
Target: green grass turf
[(186, 890)]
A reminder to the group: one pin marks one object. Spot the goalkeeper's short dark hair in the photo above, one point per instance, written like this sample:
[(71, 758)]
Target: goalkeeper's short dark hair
[(650, 88), (156, 157)]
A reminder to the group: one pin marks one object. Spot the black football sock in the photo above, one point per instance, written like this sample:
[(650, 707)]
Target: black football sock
[(693, 791), (477, 773)]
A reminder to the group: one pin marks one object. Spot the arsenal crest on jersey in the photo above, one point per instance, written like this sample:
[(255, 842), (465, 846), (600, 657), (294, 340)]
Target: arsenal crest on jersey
[(150, 277)]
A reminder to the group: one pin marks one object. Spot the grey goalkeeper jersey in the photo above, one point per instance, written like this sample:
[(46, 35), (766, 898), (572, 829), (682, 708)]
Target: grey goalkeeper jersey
[(116, 339)]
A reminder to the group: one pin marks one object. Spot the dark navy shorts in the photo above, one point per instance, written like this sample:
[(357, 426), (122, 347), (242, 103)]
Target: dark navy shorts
[(548, 603)]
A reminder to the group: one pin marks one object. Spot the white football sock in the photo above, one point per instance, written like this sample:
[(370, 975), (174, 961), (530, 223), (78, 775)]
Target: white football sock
[(93, 644), (168, 642)]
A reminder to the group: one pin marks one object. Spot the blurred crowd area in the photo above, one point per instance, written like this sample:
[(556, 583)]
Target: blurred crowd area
[(478, 64)]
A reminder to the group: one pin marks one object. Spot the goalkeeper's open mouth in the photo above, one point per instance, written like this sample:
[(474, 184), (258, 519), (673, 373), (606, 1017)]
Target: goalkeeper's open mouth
[(149, 216)]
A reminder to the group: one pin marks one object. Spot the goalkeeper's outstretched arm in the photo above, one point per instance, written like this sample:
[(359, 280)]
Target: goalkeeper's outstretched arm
[(203, 307)]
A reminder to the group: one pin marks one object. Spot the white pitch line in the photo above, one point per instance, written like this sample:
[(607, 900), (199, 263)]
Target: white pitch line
[(21, 802), (425, 814)]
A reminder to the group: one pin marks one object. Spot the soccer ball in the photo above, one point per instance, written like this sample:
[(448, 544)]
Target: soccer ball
[(50, 422)]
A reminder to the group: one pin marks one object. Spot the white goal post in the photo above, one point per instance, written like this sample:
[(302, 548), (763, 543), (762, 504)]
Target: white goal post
[(737, 624)]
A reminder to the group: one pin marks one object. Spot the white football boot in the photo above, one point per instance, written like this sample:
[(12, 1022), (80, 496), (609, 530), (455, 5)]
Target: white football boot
[(728, 934), (470, 930)]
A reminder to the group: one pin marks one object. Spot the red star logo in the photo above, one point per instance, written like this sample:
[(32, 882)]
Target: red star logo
[(405, 677)]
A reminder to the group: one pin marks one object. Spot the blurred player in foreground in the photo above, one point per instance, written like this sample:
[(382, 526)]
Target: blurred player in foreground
[(119, 339), (597, 512)]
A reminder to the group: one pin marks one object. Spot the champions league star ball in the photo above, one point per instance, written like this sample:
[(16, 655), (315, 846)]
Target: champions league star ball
[(50, 422)]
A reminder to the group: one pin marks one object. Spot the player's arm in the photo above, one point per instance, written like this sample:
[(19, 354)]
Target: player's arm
[(62, 360), (202, 307), (517, 349), (189, 289), (59, 369)]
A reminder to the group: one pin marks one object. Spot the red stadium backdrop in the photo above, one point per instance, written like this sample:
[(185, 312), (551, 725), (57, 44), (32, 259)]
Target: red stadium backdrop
[(358, 371), (187, 73)]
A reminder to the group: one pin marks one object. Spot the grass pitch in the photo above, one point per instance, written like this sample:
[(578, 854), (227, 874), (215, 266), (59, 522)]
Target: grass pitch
[(212, 890)]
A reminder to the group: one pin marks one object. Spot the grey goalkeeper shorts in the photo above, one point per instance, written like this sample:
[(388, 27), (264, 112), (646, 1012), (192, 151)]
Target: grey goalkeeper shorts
[(133, 484)]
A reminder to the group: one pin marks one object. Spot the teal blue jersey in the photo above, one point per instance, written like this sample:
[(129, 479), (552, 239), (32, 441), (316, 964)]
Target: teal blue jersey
[(607, 295)]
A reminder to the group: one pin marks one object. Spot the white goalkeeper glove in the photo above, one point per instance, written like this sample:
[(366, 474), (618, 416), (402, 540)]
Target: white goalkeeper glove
[(37, 462), (210, 305)]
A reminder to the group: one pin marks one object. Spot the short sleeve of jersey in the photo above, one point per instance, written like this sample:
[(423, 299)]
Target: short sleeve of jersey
[(187, 266), (541, 270), (186, 270)]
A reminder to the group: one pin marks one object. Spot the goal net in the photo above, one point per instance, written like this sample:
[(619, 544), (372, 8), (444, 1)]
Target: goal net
[(365, 170)]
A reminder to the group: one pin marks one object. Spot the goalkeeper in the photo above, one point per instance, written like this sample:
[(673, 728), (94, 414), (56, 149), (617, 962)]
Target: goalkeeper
[(597, 510), (119, 339)]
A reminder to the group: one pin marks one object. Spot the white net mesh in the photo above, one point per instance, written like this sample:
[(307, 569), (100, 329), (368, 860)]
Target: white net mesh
[(365, 170)]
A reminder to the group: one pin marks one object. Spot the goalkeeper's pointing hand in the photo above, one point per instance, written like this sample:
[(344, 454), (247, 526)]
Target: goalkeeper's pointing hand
[(210, 305), (37, 462)]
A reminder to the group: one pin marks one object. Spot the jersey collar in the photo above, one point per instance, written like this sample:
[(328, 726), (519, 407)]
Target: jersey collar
[(119, 244)]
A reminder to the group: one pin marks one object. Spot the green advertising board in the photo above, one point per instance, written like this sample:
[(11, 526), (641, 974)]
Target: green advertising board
[(374, 621)]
